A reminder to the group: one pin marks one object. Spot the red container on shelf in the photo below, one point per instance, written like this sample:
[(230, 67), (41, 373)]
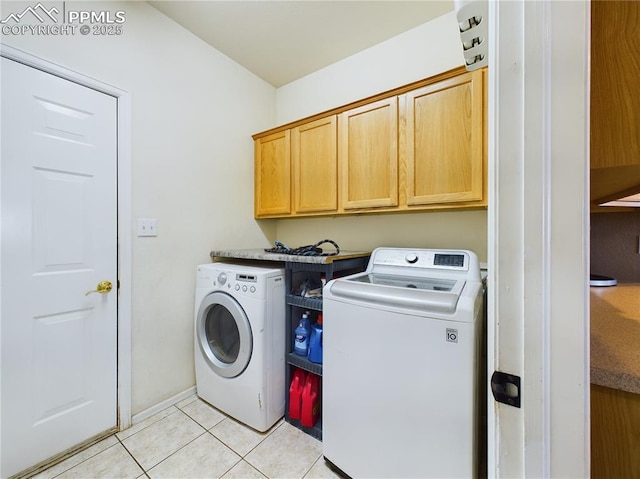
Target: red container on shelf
[(295, 393), (310, 401)]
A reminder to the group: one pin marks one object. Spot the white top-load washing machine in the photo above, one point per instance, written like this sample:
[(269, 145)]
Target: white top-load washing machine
[(240, 341), (401, 355)]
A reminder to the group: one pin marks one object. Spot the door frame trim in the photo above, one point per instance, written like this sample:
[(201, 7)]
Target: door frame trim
[(124, 212), (538, 226)]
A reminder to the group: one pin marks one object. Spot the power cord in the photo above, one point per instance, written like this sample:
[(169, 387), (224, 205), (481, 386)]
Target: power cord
[(307, 250)]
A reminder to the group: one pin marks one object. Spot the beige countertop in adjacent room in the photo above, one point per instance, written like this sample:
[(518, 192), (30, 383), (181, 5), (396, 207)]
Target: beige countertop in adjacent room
[(615, 336)]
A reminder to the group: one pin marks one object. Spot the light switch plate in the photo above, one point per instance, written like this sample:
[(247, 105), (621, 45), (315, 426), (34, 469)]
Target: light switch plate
[(147, 227)]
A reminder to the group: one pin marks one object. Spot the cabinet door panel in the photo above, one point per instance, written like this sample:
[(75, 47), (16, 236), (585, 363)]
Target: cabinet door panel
[(315, 169), (615, 422), (615, 103), (368, 155), (273, 175), (444, 148)]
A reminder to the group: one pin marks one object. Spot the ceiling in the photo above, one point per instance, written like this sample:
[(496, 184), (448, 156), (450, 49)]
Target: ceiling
[(281, 41)]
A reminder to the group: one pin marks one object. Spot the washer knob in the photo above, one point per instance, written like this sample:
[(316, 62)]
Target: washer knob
[(222, 278), (237, 287), (411, 258), (244, 288), (252, 289)]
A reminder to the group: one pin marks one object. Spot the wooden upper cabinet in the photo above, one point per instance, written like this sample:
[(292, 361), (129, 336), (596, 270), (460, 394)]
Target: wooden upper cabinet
[(417, 147), (615, 76), (273, 175), (315, 166), (443, 145), (368, 155)]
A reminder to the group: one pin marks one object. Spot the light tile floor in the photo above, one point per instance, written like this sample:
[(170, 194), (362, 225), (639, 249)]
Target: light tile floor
[(193, 440)]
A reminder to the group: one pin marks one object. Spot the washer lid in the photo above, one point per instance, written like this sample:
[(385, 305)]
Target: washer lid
[(421, 294), (411, 282)]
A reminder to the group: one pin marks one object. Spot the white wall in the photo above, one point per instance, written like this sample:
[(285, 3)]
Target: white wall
[(194, 111), (422, 52)]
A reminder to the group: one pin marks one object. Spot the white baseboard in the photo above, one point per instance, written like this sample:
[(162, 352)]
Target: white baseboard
[(141, 416)]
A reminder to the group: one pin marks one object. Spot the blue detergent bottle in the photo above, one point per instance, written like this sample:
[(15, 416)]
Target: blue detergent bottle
[(315, 342), (301, 343)]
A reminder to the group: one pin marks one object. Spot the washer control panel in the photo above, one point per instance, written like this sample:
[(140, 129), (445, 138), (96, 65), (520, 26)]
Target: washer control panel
[(238, 282), (251, 288), (246, 282), (428, 259), (425, 262)]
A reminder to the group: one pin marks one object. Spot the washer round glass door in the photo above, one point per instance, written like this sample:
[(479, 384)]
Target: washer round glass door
[(224, 334)]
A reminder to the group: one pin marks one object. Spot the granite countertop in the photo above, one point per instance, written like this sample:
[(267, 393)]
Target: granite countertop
[(615, 336), (261, 255)]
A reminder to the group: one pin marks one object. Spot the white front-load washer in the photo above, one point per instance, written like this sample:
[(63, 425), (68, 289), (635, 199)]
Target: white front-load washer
[(240, 341)]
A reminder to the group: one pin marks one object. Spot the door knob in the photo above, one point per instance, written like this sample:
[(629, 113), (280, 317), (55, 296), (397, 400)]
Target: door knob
[(103, 288)]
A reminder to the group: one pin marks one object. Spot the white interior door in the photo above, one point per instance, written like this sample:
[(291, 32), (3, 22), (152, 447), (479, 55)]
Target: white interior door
[(59, 240)]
